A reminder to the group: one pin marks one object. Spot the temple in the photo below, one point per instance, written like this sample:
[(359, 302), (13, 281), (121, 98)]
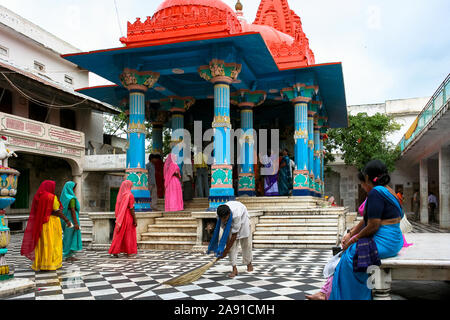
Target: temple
[(200, 60)]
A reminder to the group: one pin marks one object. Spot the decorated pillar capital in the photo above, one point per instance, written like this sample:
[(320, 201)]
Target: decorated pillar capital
[(300, 93), (138, 80), (248, 99), (176, 104), (218, 71), (314, 107)]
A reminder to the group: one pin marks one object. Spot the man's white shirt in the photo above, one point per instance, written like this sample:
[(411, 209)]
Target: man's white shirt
[(241, 220)]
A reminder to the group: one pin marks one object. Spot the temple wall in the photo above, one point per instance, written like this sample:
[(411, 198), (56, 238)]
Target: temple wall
[(97, 190)]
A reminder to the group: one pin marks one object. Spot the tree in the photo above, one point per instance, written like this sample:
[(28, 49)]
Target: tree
[(365, 139), (116, 125)]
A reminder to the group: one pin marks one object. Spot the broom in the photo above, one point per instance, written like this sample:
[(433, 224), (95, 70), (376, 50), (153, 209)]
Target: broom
[(191, 276)]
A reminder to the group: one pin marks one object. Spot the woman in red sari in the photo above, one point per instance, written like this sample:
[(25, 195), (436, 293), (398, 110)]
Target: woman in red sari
[(172, 183), (42, 240), (124, 239)]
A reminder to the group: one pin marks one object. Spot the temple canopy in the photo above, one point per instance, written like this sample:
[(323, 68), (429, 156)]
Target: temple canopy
[(266, 70)]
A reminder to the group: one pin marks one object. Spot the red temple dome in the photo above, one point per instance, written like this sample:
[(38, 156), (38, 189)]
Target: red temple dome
[(206, 3), (186, 20), (183, 20)]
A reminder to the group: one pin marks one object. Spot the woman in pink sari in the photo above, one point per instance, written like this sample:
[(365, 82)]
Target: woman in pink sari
[(124, 239), (172, 184)]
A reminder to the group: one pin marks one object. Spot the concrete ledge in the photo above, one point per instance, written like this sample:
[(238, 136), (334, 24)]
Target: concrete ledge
[(101, 226), (16, 286)]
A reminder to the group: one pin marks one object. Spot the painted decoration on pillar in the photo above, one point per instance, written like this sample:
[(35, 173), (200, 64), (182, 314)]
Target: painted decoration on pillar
[(246, 182), (218, 68), (131, 78), (138, 177), (255, 98), (174, 103), (222, 176), (301, 134), (301, 179)]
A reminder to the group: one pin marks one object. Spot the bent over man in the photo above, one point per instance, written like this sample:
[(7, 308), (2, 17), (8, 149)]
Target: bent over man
[(240, 233)]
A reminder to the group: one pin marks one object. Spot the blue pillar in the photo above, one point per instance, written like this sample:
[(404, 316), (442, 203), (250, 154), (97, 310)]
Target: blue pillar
[(317, 159), (221, 74), (311, 152), (301, 95), (301, 176), (136, 171), (247, 101), (246, 171), (137, 83)]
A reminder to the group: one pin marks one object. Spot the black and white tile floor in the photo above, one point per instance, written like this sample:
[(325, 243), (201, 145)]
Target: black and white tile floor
[(286, 274)]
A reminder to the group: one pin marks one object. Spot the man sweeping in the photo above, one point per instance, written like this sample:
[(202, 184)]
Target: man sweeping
[(233, 218)]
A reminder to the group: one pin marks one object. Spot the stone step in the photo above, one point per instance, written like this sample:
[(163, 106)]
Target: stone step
[(301, 216), (169, 236), (290, 245), (295, 227), (298, 221), (294, 242), (86, 240), (175, 221), (187, 228), (166, 245), (296, 237)]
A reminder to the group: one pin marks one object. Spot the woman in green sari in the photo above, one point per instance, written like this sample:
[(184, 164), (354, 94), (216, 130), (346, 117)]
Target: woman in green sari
[(71, 209)]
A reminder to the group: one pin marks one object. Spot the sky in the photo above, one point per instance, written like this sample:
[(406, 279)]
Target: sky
[(389, 49)]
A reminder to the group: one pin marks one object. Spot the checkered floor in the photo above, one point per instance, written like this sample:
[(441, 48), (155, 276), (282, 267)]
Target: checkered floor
[(279, 274), (286, 274)]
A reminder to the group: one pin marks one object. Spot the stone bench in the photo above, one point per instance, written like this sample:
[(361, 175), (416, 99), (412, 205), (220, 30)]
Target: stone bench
[(15, 218), (427, 259)]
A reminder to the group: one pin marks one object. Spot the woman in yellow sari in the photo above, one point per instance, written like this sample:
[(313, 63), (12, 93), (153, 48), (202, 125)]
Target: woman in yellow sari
[(42, 241)]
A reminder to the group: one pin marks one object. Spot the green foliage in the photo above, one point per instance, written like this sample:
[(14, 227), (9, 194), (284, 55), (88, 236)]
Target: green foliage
[(364, 140), (116, 125)]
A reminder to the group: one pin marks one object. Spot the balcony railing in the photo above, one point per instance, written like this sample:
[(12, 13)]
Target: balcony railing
[(433, 107)]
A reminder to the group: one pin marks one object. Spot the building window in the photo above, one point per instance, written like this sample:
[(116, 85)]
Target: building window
[(4, 51), (68, 119), (6, 101), (68, 79), (37, 112), (39, 66)]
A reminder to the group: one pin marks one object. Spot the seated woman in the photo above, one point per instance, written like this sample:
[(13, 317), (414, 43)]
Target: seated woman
[(379, 229)]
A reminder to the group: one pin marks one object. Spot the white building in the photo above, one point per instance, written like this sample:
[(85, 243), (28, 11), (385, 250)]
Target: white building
[(50, 125)]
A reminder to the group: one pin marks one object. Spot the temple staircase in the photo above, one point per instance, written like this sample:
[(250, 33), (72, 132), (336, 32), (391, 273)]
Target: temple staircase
[(315, 228), (288, 222), (175, 230), (86, 229)]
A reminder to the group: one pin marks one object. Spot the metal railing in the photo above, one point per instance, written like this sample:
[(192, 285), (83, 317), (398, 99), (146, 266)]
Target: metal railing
[(436, 103)]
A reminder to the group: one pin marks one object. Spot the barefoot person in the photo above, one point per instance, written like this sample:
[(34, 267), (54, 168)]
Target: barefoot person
[(234, 219), (42, 241), (124, 239)]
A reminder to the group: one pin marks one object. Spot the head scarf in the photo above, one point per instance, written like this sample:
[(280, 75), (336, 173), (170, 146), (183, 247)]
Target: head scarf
[(67, 195), (41, 210), (123, 201)]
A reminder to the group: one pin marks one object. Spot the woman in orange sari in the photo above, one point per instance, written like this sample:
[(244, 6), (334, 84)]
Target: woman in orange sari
[(42, 242), (124, 239)]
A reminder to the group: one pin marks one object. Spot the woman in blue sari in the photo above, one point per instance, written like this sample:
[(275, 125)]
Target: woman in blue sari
[(379, 231), (284, 178), (71, 209)]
